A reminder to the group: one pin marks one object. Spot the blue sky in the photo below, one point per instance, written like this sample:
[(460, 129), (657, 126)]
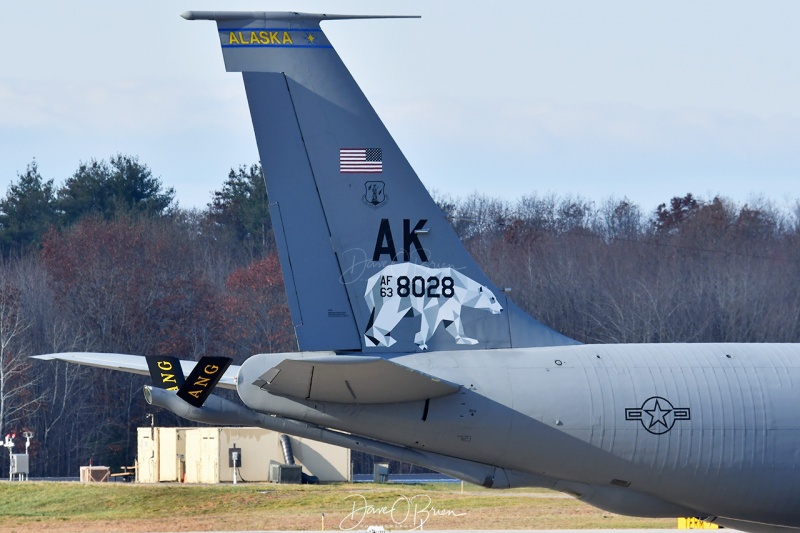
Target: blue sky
[(646, 100)]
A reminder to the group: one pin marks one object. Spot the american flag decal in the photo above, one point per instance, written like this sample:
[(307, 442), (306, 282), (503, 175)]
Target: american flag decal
[(360, 160)]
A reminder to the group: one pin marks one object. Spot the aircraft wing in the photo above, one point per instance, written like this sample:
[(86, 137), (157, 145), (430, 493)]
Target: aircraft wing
[(352, 380), (134, 364)]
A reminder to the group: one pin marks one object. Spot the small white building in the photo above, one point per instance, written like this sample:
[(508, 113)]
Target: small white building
[(203, 455)]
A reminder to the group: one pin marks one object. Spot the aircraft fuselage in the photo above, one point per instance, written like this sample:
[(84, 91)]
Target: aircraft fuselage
[(670, 421)]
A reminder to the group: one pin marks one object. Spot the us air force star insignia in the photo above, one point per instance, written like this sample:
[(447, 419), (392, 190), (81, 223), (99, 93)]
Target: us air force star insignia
[(657, 415)]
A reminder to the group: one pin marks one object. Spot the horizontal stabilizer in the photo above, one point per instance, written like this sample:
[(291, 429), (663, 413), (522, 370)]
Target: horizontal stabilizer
[(134, 364), (351, 379)]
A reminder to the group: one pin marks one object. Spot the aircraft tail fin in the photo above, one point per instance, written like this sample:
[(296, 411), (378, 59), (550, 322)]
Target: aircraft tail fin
[(370, 262)]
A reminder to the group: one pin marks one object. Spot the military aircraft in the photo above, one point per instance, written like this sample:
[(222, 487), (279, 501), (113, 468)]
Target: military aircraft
[(410, 352)]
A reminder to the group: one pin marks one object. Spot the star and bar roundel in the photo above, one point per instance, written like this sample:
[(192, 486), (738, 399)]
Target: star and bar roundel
[(657, 415)]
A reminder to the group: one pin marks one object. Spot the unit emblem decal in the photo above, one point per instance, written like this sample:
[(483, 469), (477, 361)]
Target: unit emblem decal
[(375, 194), (657, 415)]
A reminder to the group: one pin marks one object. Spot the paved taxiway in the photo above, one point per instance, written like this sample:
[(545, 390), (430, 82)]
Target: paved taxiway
[(498, 531)]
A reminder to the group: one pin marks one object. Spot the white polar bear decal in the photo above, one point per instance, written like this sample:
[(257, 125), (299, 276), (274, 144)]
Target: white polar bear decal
[(437, 294)]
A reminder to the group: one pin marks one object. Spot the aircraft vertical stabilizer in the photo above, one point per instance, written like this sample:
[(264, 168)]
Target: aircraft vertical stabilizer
[(370, 262)]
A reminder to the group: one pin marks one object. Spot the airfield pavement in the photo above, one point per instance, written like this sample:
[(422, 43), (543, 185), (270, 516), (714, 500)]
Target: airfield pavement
[(501, 531)]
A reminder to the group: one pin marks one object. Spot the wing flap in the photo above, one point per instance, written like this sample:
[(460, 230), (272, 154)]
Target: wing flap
[(133, 364), (351, 380)]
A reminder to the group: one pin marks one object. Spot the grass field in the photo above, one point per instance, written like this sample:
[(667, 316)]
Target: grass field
[(123, 507)]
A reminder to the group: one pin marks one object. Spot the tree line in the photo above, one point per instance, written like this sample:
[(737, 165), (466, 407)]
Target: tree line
[(692, 270), (107, 262)]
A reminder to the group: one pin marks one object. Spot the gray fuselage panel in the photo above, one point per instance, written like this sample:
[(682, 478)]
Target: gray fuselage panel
[(674, 421)]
